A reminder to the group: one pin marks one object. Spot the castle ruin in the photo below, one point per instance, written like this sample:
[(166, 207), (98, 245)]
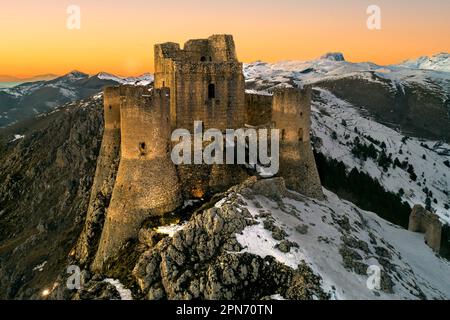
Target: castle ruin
[(135, 177), (428, 223)]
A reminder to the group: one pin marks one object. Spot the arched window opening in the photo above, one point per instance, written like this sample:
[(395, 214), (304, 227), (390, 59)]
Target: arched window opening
[(211, 91), (203, 59)]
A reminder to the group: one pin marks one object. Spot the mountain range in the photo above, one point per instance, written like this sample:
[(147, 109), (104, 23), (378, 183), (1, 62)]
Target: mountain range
[(33, 98), (42, 77)]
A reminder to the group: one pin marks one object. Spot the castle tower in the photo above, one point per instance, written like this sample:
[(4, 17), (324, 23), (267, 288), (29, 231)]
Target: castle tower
[(291, 114), (147, 183), (206, 82), (105, 174)]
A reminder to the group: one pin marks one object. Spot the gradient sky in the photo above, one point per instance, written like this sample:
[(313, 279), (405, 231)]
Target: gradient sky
[(118, 36)]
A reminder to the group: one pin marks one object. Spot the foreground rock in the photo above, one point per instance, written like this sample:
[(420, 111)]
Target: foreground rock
[(204, 260)]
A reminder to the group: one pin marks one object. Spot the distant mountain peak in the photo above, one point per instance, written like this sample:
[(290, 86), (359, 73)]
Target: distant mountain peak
[(78, 74), (439, 62), (105, 74), (333, 56), (70, 77)]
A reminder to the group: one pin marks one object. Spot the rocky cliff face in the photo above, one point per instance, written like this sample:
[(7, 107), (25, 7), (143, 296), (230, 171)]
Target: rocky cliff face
[(204, 260), (46, 169)]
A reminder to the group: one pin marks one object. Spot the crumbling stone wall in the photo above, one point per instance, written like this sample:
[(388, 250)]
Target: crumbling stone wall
[(423, 221), (224, 109), (165, 55), (105, 175), (147, 182)]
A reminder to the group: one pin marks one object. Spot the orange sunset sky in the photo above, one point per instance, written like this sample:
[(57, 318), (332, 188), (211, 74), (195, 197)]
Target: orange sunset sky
[(118, 36)]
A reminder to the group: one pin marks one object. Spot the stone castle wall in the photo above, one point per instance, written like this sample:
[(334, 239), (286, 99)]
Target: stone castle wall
[(105, 176), (225, 110), (259, 109), (199, 181), (165, 55), (428, 223), (147, 183)]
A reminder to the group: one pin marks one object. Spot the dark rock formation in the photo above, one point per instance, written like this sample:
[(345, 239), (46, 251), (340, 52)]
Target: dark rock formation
[(46, 179), (203, 260)]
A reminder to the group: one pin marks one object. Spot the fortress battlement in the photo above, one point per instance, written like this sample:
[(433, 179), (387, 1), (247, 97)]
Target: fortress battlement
[(217, 48)]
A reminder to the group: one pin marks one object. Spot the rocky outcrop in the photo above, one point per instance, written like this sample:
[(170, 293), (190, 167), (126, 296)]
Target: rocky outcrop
[(204, 259)]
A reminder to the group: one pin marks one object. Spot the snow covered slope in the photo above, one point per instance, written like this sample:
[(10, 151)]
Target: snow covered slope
[(340, 242), (337, 124)]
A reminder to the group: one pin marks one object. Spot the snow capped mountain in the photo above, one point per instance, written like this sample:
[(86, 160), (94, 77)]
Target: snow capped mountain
[(64, 82), (399, 96), (72, 76), (142, 80), (333, 67), (438, 62)]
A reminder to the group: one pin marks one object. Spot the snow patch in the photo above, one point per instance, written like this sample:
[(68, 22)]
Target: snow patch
[(170, 230), (40, 267), (125, 294), (17, 137)]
